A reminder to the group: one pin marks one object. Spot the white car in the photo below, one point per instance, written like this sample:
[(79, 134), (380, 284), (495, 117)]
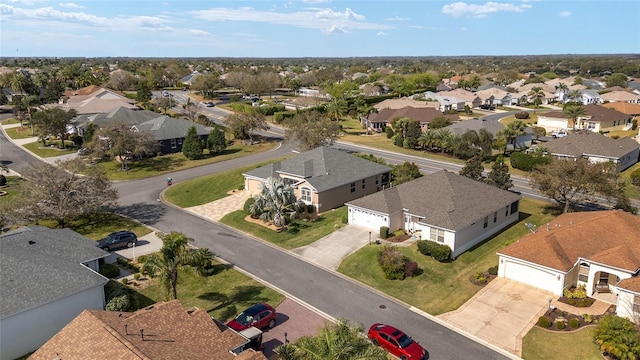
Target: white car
[(559, 133)]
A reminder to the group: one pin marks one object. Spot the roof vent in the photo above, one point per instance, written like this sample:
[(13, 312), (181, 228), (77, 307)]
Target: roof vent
[(31, 242), (126, 332), (142, 334)]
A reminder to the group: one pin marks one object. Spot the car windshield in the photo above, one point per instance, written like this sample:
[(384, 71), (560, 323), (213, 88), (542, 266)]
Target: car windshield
[(244, 319), (404, 341)]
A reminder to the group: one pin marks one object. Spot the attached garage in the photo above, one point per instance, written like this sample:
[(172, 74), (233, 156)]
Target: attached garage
[(366, 218), (537, 277)]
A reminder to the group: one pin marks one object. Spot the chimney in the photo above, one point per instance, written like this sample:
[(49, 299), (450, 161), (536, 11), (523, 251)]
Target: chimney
[(142, 334)]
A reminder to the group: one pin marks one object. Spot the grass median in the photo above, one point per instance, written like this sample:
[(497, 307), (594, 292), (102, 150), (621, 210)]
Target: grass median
[(540, 344)]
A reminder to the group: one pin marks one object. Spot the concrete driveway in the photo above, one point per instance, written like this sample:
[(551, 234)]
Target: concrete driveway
[(501, 313), (331, 249)]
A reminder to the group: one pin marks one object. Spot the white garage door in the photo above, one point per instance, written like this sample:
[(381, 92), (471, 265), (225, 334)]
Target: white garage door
[(530, 276), (365, 219)]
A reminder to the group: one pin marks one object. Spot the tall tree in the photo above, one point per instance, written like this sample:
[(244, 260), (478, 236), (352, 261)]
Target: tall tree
[(216, 141), (175, 256), (336, 107), (574, 112), (407, 132), (311, 129), (119, 142), (242, 125), (474, 143), (143, 93), (536, 95), (54, 122), (570, 182), (61, 193), (276, 202), (193, 146), (511, 132), (473, 169), (339, 341), (499, 175), (404, 172), (617, 79)]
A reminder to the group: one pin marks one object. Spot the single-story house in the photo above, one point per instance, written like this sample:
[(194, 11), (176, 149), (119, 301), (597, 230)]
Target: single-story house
[(170, 132), (595, 147), (48, 277), (445, 103), (630, 109), (443, 207), (121, 115), (621, 96), (597, 249), (597, 118), (323, 177), (93, 100), (395, 104), (160, 331), (311, 93), (467, 96), (493, 127), (423, 115), (189, 79), (494, 96)]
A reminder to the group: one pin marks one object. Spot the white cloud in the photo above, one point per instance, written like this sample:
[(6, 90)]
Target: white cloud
[(416, 26), (315, 1), (482, 10), (463, 29), (326, 20), (197, 32), (381, 33), (26, 2), (71, 5), (565, 13), (396, 18)]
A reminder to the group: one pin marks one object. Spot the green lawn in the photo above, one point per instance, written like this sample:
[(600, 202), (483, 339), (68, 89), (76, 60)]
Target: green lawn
[(532, 120), (10, 121), (19, 133), (540, 344), (175, 162), (97, 226), (12, 186), (49, 151), (300, 233), (442, 287), (223, 293), (631, 190)]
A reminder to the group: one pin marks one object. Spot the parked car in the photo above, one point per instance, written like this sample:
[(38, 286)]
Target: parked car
[(117, 240), (396, 342), (165, 93), (209, 104), (259, 316), (559, 133), (487, 107)]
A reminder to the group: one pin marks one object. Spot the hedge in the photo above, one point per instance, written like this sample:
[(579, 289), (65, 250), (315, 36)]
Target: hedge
[(440, 252), (384, 232), (109, 270), (635, 177), (526, 162)]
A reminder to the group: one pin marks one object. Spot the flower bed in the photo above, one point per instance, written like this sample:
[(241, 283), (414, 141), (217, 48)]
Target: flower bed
[(558, 320)]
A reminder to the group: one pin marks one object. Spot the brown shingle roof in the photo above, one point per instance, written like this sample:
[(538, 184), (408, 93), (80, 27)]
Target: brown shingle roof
[(169, 332), (603, 114), (587, 142), (608, 237), (632, 283), (443, 199), (624, 107), (422, 115)]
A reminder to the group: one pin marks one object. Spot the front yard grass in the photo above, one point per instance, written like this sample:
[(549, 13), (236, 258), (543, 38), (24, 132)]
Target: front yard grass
[(300, 233), (223, 293), (540, 344), (631, 190), (19, 132), (51, 150), (97, 226), (443, 287)]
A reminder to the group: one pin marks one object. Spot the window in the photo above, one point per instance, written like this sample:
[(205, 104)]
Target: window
[(486, 221), (514, 207), (583, 273), (305, 195), (437, 235), (180, 141), (495, 216), (173, 143), (636, 304), (353, 187), (363, 183)]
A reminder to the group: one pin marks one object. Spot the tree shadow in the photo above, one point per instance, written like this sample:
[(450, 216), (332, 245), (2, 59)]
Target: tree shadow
[(217, 268), (146, 213), (248, 293)]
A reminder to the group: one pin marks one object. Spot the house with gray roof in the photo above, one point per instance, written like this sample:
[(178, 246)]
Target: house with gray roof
[(443, 207), (595, 147), (48, 277), (171, 132), (323, 177), (121, 115), (493, 127)]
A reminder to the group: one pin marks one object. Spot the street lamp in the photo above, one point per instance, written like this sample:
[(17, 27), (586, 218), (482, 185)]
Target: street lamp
[(369, 237)]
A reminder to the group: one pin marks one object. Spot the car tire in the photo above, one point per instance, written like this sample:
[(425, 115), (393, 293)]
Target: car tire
[(130, 244), (271, 323), (375, 342), (403, 357)]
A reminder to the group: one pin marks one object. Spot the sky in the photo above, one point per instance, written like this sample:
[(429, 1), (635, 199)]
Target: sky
[(316, 28)]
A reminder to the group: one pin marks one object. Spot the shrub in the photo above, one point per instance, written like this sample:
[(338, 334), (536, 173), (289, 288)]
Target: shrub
[(493, 270), (247, 205), (345, 219), (410, 268), (136, 276), (441, 252), (480, 277), (399, 232), (3, 180), (635, 177), (120, 298), (560, 325), (525, 162), (310, 208), (384, 232), (142, 259), (241, 187), (392, 262), (522, 115), (617, 336), (389, 132), (270, 110), (424, 247), (544, 321), (109, 270), (574, 323), (281, 116), (587, 318), (124, 281)]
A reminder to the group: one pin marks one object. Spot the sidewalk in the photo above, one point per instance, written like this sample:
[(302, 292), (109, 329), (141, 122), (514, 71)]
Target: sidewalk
[(30, 140)]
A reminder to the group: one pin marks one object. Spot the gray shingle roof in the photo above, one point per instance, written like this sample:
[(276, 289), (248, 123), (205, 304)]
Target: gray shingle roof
[(121, 115), (324, 168), (40, 265), (590, 143), (492, 126), (443, 199), (165, 127)]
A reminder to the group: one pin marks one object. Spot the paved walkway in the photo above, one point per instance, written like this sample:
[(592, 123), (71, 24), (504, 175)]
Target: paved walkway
[(332, 249)]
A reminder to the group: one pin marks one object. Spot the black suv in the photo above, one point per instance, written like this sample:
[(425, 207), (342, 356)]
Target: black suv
[(118, 240)]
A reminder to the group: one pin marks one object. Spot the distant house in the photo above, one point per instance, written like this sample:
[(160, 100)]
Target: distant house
[(621, 96), (160, 331), (48, 277), (93, 100), (597, 249), (380, 120), (493, 127), (323, 177), (171, 132), (595, 147), (597, 118), (444, 207), (624, 107), (395, 104), (311, 93), (494, 96), (189, 79), (445, 103), (469, 98)]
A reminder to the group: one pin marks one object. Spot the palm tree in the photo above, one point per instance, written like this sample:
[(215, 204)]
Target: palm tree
[(537, 95), (512, 131), (574, 112), (339, 341), (174, 256), (563, 89), (276, 202), (427, 139), (336, 107), (445, 139), (27, 103), (575, 96)]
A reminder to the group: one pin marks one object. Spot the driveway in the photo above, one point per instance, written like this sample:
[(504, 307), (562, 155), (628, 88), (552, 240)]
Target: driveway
[(331, 249), (501, 313), (147, 244)]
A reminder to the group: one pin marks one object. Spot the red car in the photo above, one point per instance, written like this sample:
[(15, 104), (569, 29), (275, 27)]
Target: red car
[(260, 316), (396, 342)]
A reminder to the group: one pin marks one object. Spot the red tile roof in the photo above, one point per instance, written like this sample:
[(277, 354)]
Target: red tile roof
[(624, 107), (607, 237)]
